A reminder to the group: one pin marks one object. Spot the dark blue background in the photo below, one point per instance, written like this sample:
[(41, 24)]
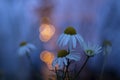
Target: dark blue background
[(95, 20)]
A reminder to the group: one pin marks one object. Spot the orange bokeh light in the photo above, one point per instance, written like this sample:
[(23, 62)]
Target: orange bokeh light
[(46, 32), (47, 57)]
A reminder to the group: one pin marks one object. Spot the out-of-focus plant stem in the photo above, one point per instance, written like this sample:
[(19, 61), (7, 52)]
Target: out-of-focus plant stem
[(77, 75), (103, 66), (31, 64), (29, 58), (56, 73)]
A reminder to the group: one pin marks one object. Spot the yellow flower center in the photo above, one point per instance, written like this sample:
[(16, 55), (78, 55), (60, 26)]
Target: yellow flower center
[(23, 43), (70, 31), (90, 52), (62, 53), (107, 43)]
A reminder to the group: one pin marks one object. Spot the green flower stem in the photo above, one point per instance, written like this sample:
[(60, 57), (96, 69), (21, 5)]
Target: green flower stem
[(56, 73), (66, 73), (103, 66), (77, 75), (67, 67), (67, 76), (29, 58), (31, 64), (63, 73)]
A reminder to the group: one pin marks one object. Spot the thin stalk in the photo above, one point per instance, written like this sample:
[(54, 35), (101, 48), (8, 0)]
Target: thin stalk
[(63, 72), (29, 58), (66, 75), (56, 73), (67, 70), (32, 65), (81, 68), (103, 66)]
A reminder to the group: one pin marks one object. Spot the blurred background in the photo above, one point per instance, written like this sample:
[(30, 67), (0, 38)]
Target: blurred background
[(40, 22)]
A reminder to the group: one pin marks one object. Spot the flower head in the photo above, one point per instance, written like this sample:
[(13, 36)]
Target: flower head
[(70, 31), (62, 53), (107, 45), (63, 56), (91, 50), (70, 37), (25, 48)]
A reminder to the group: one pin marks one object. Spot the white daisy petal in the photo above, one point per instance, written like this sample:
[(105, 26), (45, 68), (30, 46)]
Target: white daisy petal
[(54, 62), (74, 41), (67, 40), (79, 40), (99, 48), (70, 43), (76, 58), (73, 57), (59, 39), (65, 61), (32, 47), (58, 61), (21, 51), (80, 37), (61, 64), (62, 61), (99, 51), (62, 40), (94, 48), (27, 48)]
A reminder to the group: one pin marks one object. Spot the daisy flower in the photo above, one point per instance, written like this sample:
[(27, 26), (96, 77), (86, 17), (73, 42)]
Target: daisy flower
[(107, 46), (62, 58), (91, 50), (70, 37), (25, 48)]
